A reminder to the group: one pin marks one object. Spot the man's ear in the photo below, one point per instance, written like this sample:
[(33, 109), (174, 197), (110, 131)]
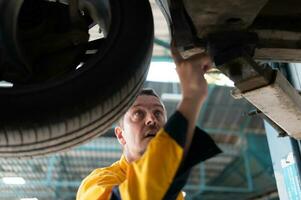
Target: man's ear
[(119, 135)]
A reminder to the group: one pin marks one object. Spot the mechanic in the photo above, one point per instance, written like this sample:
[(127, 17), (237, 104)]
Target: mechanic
[(157, 155)]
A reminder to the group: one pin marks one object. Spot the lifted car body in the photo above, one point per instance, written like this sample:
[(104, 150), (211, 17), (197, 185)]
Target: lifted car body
[(243, 38)]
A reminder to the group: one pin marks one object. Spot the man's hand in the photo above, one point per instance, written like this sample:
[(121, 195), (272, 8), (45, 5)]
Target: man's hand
[(194, 87), (191, 74)]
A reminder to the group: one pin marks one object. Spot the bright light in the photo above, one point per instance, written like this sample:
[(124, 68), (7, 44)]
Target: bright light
[(184, 193), (219, 79), (162, 72), (171, 97), (5, 84), (13, 180), (95, 34), (80, 65), (29, 199), (166, 72)]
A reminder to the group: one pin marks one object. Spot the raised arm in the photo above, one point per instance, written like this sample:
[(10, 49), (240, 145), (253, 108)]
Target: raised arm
[(194, 88)]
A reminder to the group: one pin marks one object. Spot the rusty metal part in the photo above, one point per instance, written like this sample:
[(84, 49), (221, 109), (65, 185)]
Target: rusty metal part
[(211, 16), (277, 24), (232, 53), (247, 74), (181, 28)]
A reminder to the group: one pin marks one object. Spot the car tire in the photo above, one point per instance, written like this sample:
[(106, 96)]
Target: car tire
[(41, 119)]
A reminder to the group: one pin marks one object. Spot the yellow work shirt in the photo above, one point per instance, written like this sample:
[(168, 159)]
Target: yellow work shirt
[(159, 174)]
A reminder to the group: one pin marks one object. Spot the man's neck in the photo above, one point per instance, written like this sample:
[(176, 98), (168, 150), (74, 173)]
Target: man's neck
[(129, 156)]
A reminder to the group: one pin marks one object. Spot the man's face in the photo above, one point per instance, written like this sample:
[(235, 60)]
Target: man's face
[(142, 122)]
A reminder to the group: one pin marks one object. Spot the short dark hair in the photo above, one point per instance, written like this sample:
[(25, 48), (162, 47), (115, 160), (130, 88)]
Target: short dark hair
[(148, 91), (143, 91)]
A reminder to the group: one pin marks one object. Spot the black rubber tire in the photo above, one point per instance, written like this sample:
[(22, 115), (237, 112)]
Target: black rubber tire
[(50, 118)]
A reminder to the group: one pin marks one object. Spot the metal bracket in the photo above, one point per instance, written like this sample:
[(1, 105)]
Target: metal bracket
[(265, 88), (232, 53), (181, 28)]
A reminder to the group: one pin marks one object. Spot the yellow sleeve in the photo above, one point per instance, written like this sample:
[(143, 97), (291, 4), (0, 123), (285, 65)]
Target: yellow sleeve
[(151, 176), (98, 185)]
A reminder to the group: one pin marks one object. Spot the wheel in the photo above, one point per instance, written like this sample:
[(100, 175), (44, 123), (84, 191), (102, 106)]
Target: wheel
[(64, 89)]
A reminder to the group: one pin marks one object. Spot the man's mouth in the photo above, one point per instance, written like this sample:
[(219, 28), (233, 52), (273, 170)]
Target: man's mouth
[(151, 134)]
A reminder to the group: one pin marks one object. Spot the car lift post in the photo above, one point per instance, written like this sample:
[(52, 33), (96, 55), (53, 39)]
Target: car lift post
[(285, 154)]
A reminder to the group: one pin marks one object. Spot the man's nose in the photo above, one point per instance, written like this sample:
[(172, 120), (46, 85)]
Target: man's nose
[(150, 120)]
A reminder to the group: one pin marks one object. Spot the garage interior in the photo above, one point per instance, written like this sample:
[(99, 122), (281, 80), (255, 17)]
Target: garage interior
[(243, 171)]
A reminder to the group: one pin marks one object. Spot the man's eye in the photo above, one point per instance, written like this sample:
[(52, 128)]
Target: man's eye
[(158, 113), (138, 114)]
